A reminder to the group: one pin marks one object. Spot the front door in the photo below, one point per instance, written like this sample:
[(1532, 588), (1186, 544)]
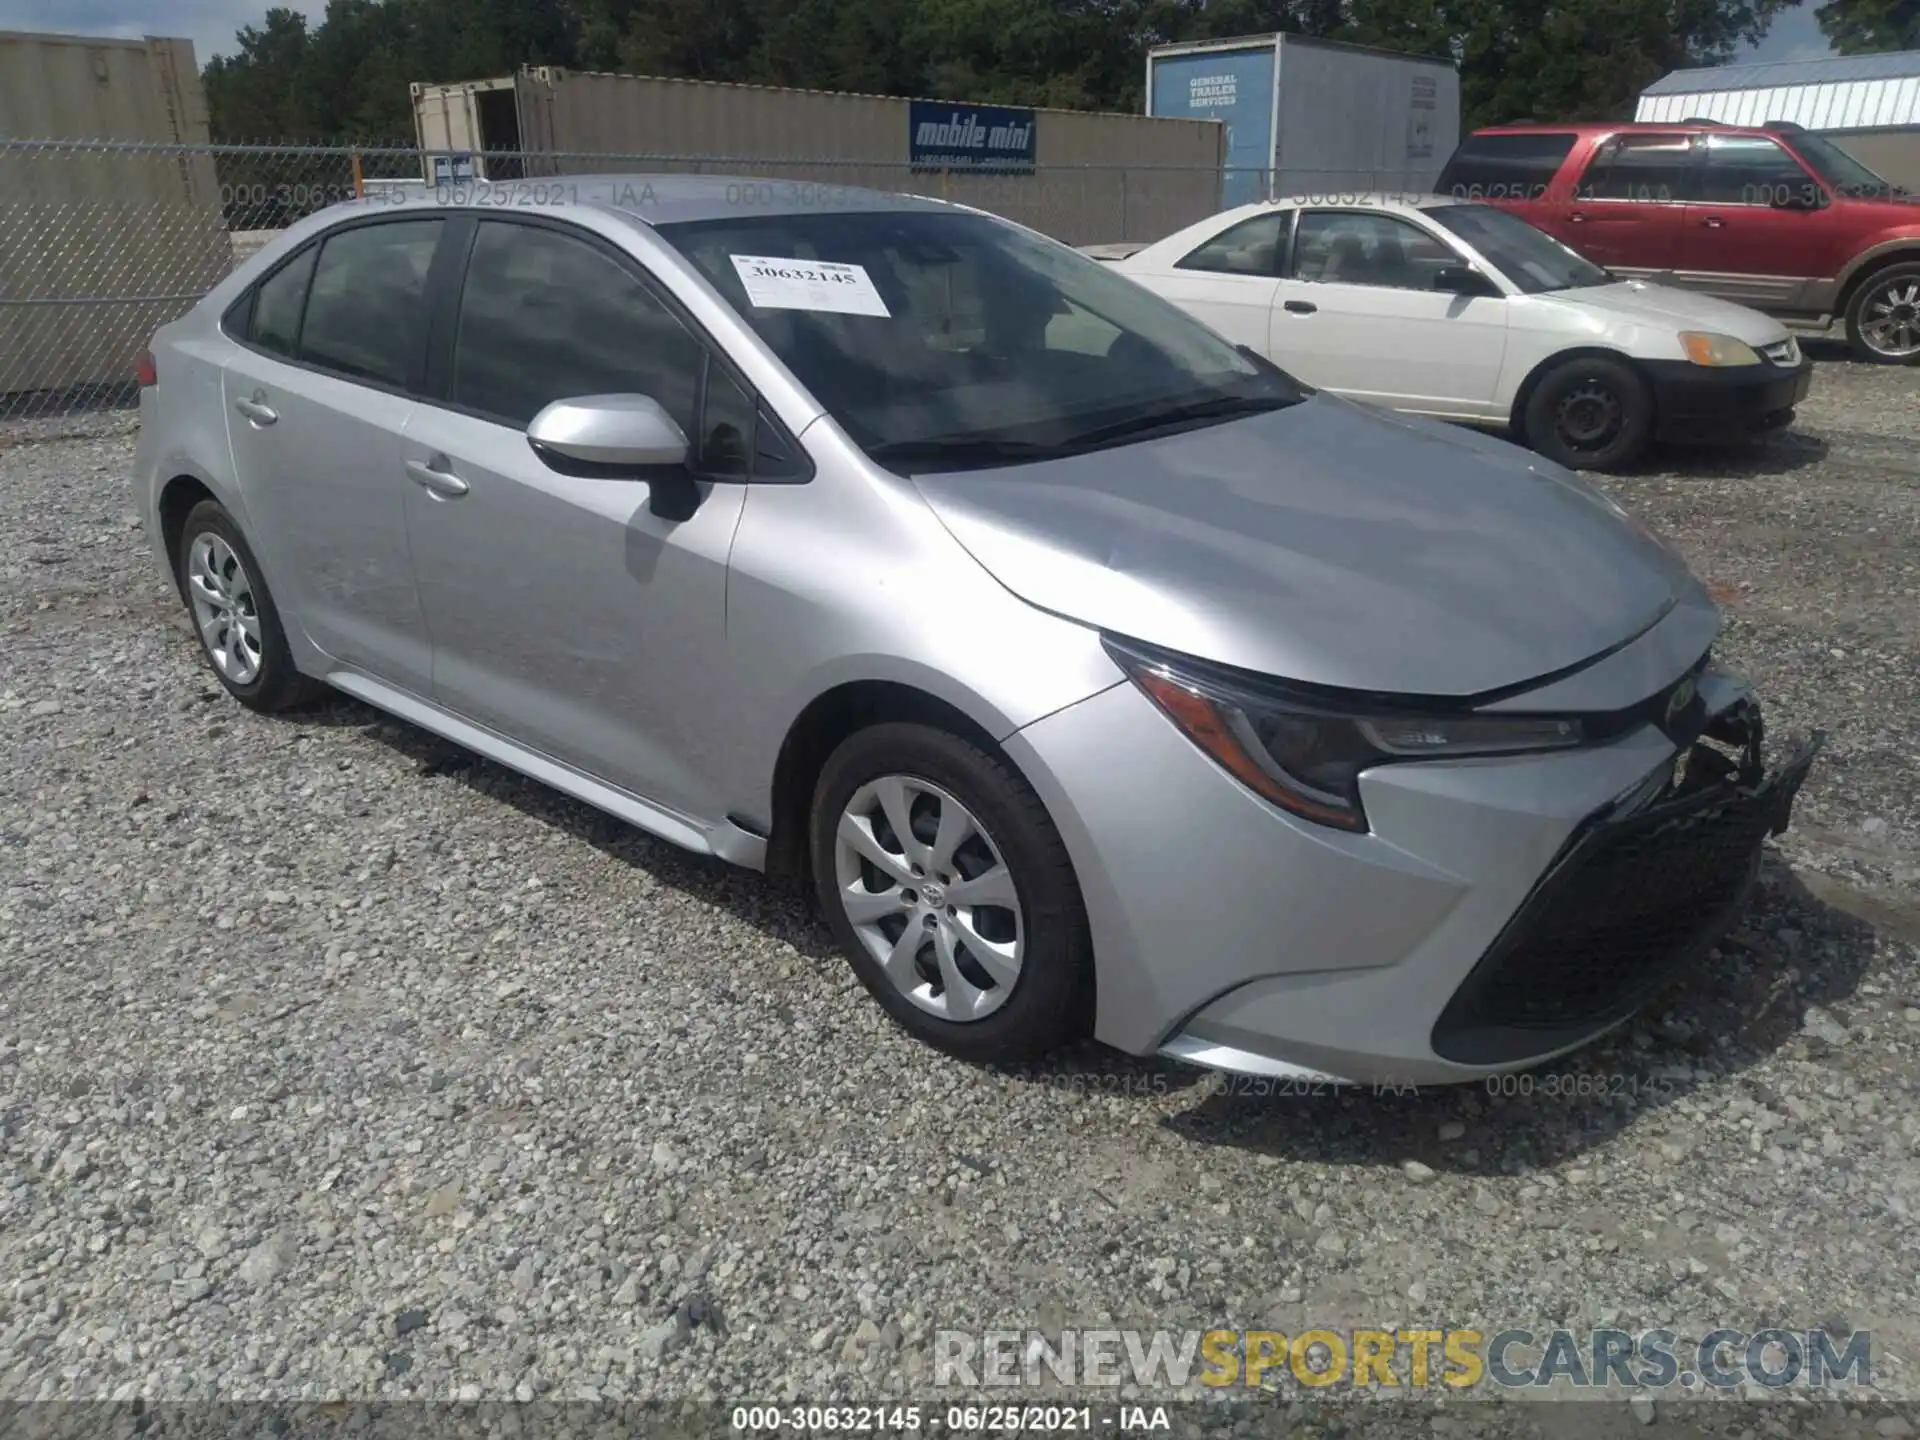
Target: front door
[(1756, 232), (564, 613), (315, 407), (1358, 315)]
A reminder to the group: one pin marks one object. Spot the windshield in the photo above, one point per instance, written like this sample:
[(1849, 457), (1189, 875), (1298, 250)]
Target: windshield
[(1530, 258), (956, 340), (1846, 175)]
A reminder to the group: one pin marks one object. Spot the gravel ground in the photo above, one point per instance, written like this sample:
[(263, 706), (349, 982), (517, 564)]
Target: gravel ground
[(336, 1063)]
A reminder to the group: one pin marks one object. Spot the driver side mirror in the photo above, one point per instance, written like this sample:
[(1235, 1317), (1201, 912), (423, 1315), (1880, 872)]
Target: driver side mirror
[(619, 437), (1464, 280)]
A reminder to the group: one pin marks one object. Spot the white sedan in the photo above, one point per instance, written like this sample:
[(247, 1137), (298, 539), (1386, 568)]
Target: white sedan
[(1466, 312)]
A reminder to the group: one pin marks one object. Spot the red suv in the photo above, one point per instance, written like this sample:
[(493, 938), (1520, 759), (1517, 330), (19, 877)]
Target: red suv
[(1776, 217)]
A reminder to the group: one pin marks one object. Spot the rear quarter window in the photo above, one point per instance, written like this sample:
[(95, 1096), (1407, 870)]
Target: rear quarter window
[(275, 323), (1505, 167)]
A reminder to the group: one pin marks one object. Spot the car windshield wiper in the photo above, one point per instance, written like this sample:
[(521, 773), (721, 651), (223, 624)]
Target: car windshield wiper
[(961, 452), (1220, 407)]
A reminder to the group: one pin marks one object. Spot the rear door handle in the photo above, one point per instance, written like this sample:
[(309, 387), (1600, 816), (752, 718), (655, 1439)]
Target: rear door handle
[(428, 475), (1302, 307), (256, 410), (1578, 217), (1714, 222)]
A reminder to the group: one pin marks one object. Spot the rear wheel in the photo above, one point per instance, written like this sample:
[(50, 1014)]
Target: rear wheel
[(951, 892), (1883, 318), (1590, 413), (234, 614)]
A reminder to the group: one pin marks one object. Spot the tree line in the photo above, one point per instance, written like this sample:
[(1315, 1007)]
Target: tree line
[(346, 77)]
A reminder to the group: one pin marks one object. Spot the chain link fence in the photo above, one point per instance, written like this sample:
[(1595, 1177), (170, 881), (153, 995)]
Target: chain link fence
[(101, 243)]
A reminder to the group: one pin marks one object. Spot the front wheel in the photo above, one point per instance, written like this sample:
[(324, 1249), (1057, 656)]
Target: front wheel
[(951, 892), (1883, 318), (1590, 413)]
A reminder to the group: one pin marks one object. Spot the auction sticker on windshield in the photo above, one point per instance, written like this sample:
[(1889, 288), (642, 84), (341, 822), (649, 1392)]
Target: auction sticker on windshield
[(776, 283)]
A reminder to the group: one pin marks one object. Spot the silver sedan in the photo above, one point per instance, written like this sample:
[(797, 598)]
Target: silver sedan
[(1095, 675)]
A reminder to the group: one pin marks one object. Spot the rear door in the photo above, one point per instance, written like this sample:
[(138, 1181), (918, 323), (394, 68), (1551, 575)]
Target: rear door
[(1229, 281), (1357, 314), (1629, 203), (332, 349), (1756, 232)]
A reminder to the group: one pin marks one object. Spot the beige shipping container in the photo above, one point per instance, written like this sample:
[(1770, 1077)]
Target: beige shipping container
[(1892, 154), (99, 246), (1096, 176)]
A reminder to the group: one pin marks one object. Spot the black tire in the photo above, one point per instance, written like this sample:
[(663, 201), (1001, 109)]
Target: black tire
[(1590, 413), (1050, 1003), (1901, 278), (277, 685)]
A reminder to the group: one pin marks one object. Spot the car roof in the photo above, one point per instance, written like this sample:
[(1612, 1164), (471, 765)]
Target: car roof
[(672, 199), (1347, 200), (1590, 128)]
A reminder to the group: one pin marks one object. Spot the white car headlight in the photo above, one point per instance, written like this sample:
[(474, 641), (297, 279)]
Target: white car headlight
[(1703, 347)]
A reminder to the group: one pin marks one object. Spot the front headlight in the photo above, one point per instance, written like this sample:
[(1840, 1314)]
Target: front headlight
[(1304, 752), (1703, 347)]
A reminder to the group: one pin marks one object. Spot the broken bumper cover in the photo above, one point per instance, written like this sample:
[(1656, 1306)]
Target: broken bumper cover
[(1629, 904)]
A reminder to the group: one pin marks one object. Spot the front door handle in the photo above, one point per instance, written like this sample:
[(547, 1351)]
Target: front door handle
[(256, 410), (1302, 307), (1714, 222), (1577, 217), (430, 477)]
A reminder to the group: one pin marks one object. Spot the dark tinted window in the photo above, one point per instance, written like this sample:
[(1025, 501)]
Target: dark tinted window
[(1752, 170), (367, 313), (545, 317), (1654, 168), (1504, 167), (277, 304), (1253, 247), (727, 424)]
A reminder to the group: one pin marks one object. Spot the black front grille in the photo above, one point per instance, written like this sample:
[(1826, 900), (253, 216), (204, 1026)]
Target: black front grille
[(1628, 903)]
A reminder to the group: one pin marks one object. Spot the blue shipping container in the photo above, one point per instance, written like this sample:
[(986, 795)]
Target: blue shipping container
[(1236, 88)]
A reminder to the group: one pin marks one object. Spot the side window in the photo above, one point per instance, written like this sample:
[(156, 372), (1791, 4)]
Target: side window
[(366, 313), (1504, 167), (277, 304), (1253, 247), (1654, 168), (545, 317), (1357, 248), (1079, 331), (728, 422), (1752, 170)]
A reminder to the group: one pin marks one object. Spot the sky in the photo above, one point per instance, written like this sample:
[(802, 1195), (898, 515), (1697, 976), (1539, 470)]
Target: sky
[(211, 24)]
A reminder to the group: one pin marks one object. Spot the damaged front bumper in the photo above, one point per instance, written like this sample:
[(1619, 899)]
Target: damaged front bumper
[(1637, 895), (1634, 890)]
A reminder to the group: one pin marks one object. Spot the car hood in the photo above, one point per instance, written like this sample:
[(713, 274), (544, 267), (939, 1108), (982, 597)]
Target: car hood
[(1328, 543), (1670, 307)]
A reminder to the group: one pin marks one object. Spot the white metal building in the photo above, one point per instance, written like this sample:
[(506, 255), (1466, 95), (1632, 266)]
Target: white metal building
[(1869, 104)]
